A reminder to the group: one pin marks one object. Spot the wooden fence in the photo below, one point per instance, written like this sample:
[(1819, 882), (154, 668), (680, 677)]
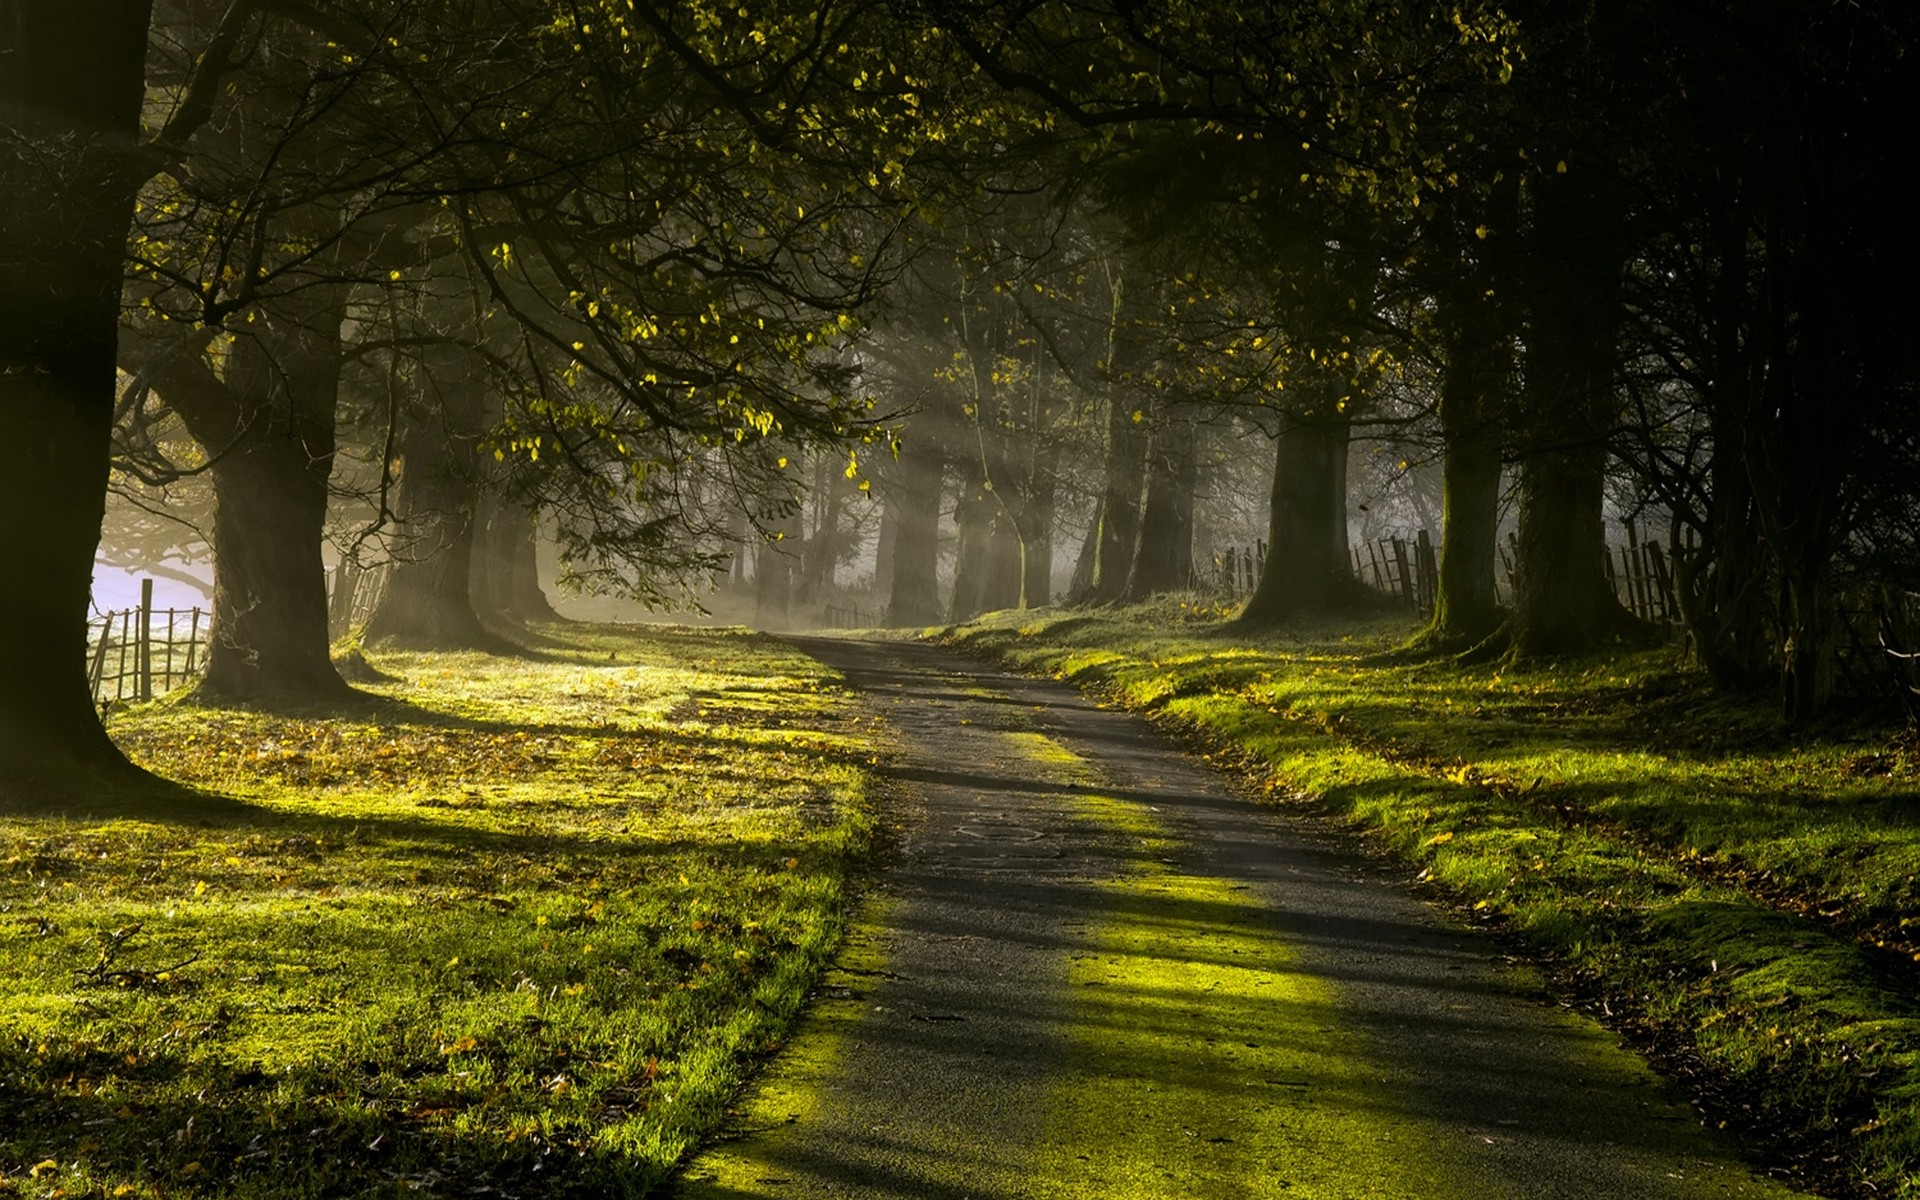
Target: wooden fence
[(352, 595), (850, 616), (1397, 566), (1643, 580), (1400, 567), (1409, 568), (139, 653), (1236, 569)]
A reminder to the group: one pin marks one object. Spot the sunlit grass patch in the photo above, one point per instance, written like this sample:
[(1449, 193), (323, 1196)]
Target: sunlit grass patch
[(1742, 895), (522, 924)]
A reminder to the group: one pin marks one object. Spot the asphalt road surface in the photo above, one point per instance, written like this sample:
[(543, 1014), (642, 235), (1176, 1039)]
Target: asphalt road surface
[(1095, 971)]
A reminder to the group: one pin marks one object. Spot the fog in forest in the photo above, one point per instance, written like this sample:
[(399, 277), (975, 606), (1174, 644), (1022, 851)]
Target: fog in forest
[(1552, 327)]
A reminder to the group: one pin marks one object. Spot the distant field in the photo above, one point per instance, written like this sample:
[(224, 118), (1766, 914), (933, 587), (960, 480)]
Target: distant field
[(516, 929), (1739, 896)]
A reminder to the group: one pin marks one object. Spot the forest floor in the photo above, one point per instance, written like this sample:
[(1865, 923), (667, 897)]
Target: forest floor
[(524, 925), (1738, 898), (512, 926)]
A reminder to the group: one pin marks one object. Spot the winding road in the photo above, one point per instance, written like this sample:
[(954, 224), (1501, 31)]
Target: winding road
[(1094, 971)]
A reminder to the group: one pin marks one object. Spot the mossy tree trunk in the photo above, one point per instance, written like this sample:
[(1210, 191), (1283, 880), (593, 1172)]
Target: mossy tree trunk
[(1034, 527), (268, 423), (1163, 559), (987, 565), (1477, 373), (428, 600), (1116, 531), (774, 565), (913, 512), (506, 564), (1309, 565), (821, 551), (71, 85), (1563, 603)]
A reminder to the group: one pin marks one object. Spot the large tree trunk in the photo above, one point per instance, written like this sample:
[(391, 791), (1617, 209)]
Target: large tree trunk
[(269, 630), (1080, 583), (428, 599), (1563, 603), (70, 93), (1809, 620), (913, 512), (506, 566), (1720, 566), (820, 552), (1034, 525), (1721, 580), (986, 573), (1478, 369), (1163, 561), (1309, 566), (1117, 525), (774, 564)]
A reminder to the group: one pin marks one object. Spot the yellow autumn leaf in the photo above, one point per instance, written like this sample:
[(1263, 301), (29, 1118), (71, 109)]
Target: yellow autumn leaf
[(1440, 839)]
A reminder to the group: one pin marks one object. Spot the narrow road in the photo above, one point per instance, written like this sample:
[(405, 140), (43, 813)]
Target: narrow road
[(1096, 972)]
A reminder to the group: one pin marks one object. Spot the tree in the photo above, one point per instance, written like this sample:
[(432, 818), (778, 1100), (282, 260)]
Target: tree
[(1288, 156), (317, 135), (70, 95), (428, 600), (1776, 373)]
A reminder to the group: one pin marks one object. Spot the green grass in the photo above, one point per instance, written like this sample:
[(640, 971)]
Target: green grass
[(1739, 896), (522, 924)]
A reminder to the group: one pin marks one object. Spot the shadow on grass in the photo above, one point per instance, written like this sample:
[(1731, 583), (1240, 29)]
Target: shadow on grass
[(317, 1131)]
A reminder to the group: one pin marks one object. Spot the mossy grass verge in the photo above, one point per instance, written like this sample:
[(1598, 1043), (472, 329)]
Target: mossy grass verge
[(1735, 895), (515, 926)]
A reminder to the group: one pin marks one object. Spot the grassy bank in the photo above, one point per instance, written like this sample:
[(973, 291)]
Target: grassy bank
[(516, 928), (1737, 897)]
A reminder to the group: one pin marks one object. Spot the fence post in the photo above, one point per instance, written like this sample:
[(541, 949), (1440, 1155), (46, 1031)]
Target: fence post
[(1407, 589), (1429, 571), (143, 653), (1638, 576), (193, 639), (1662, 581), (99, 656), (120, 655)]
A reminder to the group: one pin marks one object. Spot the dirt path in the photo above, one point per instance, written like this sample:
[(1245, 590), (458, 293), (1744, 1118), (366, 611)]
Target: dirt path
[(1096, 972)]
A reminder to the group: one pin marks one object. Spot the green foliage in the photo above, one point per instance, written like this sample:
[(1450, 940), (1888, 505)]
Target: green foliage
[(1735, 896), (522, 924)]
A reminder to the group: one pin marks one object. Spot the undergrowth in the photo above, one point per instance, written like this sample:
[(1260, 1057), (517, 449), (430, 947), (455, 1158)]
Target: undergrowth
[(1737, 896), (515, 926)]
